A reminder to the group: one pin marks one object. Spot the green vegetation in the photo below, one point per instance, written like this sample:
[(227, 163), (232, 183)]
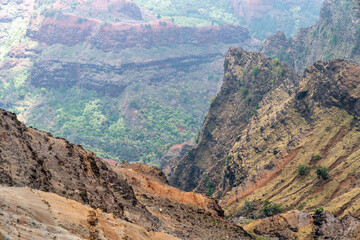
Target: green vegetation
[(192, 13), (138, 125), (304, 169), (322, 172), (270, 209), (197, 137), (211, 102), (317, 157), (318, 211), (211, 12), (255, 71), (227, 158), (210, 188), (249, 206), (94, 120)]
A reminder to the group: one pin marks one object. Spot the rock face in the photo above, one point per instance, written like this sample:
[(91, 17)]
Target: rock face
[(60, 73), (259, 130), (35, 159), (188, 215), (335, 35)]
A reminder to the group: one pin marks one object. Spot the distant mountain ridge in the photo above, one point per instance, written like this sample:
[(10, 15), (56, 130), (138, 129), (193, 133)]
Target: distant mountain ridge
[(335, 35)]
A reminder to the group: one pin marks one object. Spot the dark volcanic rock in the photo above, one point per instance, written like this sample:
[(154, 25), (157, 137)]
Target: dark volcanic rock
[(331, 84)]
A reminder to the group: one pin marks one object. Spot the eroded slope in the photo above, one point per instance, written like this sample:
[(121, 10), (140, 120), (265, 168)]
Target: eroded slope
[(318, 126), (48, 216), (125, 196)]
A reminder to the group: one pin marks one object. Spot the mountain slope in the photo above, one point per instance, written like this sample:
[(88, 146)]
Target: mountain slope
[(335, 35), (317, 126), (48, 216), (35, 159), (311, 121), (134, 197)]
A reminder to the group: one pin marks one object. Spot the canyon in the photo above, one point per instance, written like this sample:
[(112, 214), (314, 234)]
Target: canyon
[(276, 156)]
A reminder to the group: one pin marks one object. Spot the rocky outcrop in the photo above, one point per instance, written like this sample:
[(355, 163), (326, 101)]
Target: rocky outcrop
[(319, 119), (300, 225), (248, 78), (335, 35), (164, 33)]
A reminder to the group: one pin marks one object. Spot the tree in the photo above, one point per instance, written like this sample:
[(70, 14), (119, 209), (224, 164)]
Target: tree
[(270, 209), (304, 169), (322, 172)]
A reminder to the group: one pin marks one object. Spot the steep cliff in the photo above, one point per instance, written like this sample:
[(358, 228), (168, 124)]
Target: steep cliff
[(335, 35), (249, 77)]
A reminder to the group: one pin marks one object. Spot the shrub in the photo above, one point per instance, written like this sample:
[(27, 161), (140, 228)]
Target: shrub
[(304, 169), (270, 209), (243, 92), (197, 137), (249, 206), (227, 158), (317, 157), (276, 61), (210, 187), (248, 99), (255, 70), (322, 172), (81, 20), (318, 210)]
